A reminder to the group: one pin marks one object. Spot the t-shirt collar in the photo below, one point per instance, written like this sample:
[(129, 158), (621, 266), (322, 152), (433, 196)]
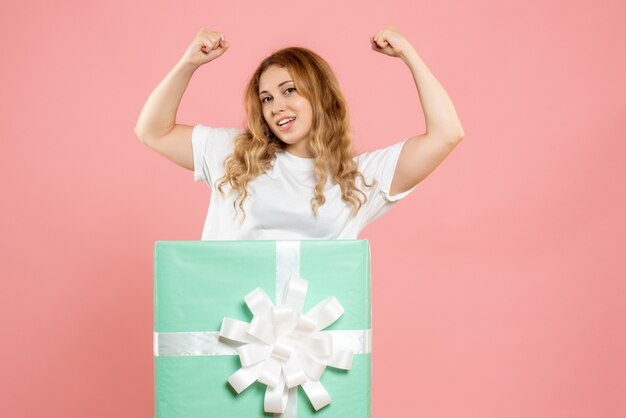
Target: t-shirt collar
[(295, 161)]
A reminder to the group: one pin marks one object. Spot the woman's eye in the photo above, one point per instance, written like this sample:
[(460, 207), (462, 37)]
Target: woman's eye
[(287, 90)]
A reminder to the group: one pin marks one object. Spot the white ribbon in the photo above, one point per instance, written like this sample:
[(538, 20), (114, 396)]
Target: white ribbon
[(284, 348), (281, 347), (208, 343)]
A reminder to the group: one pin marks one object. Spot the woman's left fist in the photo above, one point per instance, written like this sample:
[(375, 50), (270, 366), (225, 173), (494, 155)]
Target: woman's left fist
[(390, 41)]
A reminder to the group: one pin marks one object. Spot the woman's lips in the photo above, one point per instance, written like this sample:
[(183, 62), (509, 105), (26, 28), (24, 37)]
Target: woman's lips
[(286, 126)]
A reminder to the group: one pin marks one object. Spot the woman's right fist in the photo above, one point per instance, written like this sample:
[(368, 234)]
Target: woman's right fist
[(205, 47)]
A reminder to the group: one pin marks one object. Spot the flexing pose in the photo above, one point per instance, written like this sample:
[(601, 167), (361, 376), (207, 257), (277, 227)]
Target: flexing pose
[(291, 173)]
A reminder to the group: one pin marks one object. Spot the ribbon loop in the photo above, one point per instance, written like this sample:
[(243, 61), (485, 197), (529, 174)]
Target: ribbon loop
[(341, 358), (313, 368), (296, 293), (244, 377), (283, 320), (253, 353), (317, 394), (305, 324), (321, 345), (326, 312), (270, 375), (293, 372), (236, 330), (262, 329), (276, 398), (259, 303)]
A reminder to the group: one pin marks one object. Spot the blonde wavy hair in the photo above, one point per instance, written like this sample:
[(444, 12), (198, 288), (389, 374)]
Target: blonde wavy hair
[(329, 138)]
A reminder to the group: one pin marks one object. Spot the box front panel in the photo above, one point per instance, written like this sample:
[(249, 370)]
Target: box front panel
[(198, 283)]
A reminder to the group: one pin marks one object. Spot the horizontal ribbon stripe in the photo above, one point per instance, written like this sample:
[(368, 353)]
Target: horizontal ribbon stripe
[(191, 344), (208, 343)]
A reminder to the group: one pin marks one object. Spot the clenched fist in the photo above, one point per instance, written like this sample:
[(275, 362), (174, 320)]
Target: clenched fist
[(390, 41), (207, 46)]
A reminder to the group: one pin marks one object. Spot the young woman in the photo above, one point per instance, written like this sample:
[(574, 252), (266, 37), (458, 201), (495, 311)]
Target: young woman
[(291, 174)]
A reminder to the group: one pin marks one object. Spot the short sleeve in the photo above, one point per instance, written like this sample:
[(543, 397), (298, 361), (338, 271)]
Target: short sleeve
[(380, 165), (211, 146)]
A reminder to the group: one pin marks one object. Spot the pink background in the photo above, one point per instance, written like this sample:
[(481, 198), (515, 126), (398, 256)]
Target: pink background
[(498, 284)]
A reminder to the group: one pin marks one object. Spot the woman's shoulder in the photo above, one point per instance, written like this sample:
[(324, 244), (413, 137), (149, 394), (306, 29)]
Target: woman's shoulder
[(212, 138), (208, 132), (379, 154)]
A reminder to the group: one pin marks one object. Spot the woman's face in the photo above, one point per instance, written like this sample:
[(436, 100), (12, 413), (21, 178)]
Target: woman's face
[(281, 102)]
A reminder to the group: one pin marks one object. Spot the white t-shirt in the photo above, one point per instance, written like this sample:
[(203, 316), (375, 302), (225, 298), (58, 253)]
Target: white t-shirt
[(278, 206)]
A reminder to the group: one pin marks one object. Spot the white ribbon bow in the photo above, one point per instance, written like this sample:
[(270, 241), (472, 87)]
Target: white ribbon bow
[(284, 348)]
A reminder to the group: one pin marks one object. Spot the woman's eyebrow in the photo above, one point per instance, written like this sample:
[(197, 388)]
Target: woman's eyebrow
[(265, 91)]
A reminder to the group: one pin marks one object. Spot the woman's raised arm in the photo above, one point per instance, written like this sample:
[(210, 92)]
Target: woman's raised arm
[(157, 125), (421, 154)]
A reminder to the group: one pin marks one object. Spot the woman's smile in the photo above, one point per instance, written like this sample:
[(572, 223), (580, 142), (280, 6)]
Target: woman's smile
[(284, 126)]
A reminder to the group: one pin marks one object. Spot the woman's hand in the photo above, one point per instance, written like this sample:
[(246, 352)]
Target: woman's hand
[(390, 41), (205, 47)]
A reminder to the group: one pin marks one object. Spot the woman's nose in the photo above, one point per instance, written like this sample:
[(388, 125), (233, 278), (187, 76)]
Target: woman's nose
[(278, 104)]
